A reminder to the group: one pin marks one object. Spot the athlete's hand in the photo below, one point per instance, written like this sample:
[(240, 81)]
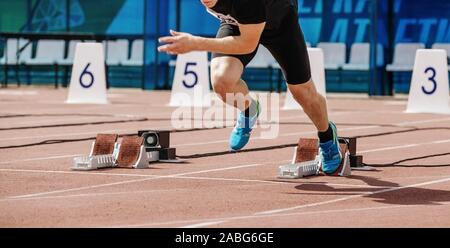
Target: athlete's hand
[(178, 43)]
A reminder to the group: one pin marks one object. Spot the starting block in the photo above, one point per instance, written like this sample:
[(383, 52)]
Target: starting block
[(132, 153), (104, 151), (94, 162), (306, 161), (136, 151)]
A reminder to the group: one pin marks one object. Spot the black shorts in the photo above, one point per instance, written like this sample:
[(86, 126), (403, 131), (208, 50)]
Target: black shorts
[(286, 43)]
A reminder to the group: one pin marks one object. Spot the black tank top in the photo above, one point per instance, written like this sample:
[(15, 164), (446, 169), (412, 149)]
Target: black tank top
[(253, 11)]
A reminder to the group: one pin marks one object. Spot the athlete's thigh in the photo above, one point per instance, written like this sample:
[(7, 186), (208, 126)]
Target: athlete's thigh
[(226, 69), (226, 30), (289, 48)]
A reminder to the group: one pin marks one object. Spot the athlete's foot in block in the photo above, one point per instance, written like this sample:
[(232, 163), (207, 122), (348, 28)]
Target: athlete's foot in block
[(241, 133), (330, 153)]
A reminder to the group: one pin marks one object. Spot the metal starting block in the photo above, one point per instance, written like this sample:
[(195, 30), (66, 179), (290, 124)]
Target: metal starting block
[(93, 162), (306, 161), (104, 151), (299, 170), (133, 152)]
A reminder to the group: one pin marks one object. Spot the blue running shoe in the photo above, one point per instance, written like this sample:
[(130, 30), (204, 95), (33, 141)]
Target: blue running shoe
[(330, 153), (241, 133)]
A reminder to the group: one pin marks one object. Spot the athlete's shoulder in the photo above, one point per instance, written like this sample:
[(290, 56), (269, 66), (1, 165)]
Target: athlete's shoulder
[(249, 3), (250, 11)]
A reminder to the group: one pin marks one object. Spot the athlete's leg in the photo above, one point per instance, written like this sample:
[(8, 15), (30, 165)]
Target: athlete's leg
[(226, 72), (226, 80), (314, 104), (289, 49)]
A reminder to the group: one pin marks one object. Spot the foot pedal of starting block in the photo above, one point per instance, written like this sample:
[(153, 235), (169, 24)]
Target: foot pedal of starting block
[(87, 163), (306, 161), (103, 154), (299, 170), (132, 153)]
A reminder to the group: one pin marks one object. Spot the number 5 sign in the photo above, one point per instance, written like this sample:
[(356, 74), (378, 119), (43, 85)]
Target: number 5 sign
[(429, 91), (190, 85), (88, 81)]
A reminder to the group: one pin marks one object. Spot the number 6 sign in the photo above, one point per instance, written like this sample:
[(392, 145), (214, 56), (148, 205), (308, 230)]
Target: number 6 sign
[(89, 74), (429, 91), (190, 85), (88, 82)]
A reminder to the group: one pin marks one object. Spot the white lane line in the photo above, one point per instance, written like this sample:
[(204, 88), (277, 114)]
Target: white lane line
[(281, 135), (96, 132), (72, 134), (266, 214), (115, 130), (223, 141), (131, 181), (87, 195), (41, 158), (79, 188), (55, 121), (257, 182), (281, 182), (441, 141), (388, 148), (188, 144), (353, 196), (404, 146), (321, 212), (203, 224), (18, 92), (360, 152), (91, 173), (406, 123)]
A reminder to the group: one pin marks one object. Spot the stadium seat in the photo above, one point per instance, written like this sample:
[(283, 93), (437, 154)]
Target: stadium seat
[(24, 51), (116, 52), (12, 47), (335, 55), (17, 52), (360, 57), (9, 55), (404, 56), (444, 46), (48, 53), (137, 54), (68, 61), (262, 60)]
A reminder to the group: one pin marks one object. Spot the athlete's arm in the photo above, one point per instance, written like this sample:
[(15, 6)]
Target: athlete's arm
[(246, 43)]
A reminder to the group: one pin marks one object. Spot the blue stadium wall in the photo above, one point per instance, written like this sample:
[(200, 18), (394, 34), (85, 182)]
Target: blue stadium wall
[(345, 21)]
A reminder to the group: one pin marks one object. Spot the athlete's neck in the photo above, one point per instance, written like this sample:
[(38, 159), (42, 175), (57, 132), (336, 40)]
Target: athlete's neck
[(209, 3), (222, 6)]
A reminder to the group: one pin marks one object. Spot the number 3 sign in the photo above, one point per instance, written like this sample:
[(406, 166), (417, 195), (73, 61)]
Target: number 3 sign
[(429, 91), (190, 85)]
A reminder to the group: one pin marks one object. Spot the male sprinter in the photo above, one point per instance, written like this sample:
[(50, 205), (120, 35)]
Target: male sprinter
[(244, 25)]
